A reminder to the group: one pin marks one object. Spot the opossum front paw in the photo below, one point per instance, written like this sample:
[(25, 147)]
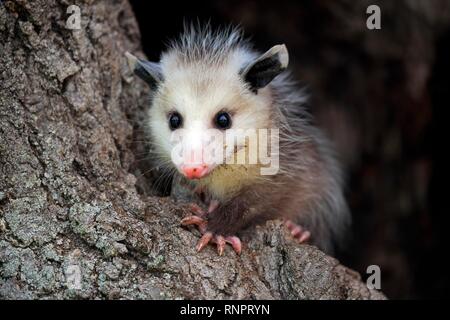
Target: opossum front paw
[(298, 232), (220, 241), (209, 236)]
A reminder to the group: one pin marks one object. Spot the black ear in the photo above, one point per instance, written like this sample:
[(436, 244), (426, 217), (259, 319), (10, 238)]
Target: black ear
[(261, 72), (148, 71)]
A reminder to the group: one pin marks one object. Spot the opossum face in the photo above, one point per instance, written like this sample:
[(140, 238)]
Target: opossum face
[(198, 105)]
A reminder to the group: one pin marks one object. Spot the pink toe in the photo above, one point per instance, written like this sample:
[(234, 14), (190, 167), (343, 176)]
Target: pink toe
[(296, 231), (304, 237), (235, 243), (204, 240), (192, 220), (220, 244), (195, 208), (213, 205)]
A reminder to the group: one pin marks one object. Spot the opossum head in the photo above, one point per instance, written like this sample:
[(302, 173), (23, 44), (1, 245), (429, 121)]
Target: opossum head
[(208, 83)]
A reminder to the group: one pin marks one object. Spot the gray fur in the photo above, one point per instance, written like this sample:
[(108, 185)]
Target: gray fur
[(329, 216), (208, 46)]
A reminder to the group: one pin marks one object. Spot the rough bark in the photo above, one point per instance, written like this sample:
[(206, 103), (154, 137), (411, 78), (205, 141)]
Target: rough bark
[(68, 195)]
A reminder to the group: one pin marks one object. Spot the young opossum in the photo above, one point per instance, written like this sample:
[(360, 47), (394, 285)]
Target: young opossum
[(214, 79)]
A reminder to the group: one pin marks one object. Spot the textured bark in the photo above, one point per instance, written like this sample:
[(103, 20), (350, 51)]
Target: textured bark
[(68, 195)]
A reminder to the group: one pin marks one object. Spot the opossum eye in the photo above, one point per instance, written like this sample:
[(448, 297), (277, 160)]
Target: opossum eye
[(175, 120), (223, 120)]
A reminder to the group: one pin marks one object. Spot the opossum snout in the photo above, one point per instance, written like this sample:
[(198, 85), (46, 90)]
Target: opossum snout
[(195, 171)]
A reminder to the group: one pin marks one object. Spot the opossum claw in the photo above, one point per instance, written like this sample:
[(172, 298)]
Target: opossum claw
[(204, 240), (235, 243), (192, 220), (304, 236), (213, 205), (220, 244), (195, 220), (197, 209), (298, 232)]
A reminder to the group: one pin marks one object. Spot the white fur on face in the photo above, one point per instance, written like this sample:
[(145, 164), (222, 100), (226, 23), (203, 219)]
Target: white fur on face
[(198, 91)]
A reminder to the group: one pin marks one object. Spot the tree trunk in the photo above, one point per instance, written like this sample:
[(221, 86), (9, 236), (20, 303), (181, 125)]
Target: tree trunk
[(72, 222)]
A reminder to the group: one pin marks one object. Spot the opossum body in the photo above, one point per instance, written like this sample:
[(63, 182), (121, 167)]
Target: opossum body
[(210, 79)]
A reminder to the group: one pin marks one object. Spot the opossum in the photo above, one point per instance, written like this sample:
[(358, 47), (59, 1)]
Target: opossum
[(214, 79)]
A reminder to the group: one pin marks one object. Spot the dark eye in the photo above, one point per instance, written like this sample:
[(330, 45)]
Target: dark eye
[(175, 120), (223, 120)]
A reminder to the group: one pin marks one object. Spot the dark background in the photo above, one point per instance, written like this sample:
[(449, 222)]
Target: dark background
[(380, 95)]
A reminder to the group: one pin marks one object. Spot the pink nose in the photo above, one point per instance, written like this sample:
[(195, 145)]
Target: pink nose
[(195, 171)]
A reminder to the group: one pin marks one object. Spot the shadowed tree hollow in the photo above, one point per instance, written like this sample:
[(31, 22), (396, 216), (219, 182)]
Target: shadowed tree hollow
[(72, 222)]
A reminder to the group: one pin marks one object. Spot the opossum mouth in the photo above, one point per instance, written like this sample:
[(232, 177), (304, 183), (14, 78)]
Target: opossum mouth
[(196, 171)]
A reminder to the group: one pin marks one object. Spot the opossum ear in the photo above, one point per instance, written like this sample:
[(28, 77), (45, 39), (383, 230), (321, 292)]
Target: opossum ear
[(261, 72), (148, 71)]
